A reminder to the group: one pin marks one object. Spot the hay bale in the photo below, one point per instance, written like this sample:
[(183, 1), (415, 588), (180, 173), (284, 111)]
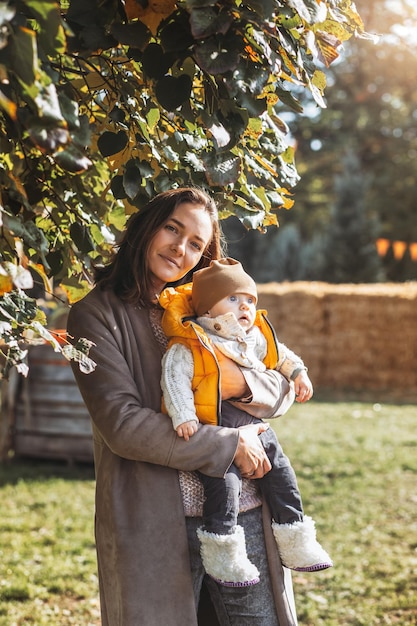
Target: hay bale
[(352, 337)]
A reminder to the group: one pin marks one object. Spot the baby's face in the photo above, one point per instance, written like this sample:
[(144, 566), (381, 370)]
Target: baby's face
[(241, 304)]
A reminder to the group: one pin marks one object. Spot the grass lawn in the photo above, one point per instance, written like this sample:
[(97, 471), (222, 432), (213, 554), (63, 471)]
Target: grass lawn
[(357, 469)]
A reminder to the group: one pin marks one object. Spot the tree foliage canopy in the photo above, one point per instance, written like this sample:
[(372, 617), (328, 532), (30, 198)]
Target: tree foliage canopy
[(105, 103), (372, 110)]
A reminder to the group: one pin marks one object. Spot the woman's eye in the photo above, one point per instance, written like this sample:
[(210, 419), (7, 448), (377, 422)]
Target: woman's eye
[(171, 227), (196, 246)]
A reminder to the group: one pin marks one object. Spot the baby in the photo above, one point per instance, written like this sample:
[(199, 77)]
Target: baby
[(217, 312)]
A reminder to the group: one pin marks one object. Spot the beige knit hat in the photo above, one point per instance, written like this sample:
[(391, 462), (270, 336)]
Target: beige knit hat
[(220, 279)]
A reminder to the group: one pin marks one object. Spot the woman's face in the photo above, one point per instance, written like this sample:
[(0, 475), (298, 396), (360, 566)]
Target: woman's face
[(179, 244)]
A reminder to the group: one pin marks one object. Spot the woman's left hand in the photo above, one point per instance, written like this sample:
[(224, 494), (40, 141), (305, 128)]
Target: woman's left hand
[(233, 384)]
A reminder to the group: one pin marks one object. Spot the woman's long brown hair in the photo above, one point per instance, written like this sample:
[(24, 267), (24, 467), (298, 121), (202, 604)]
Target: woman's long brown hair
[(127, 273)]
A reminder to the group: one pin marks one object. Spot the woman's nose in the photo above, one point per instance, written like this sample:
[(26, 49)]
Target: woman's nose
[(178, 246)]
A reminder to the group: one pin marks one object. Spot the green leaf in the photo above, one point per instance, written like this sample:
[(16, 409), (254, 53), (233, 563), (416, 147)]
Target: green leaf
[(265, 8), (254, 106), (94, 37), (248, 78), (172, 92), (132, 179), (55, 261), (216, 56), (221, 169), (48, 104), (175, 32), (235, 119), (75, 288), (135, 34), (220, 135), (81, 237), (81, 135), (69, 110), (28, 231), (146, 169), (72, 160), (24, 55), (51, 33), (205, 21), (310, 10), (275, 199), (117, 187), (110, 143), (152, 118), (286, 97), (155, 61), (16, 305), (254, 221), (117, 114), (118, 217)]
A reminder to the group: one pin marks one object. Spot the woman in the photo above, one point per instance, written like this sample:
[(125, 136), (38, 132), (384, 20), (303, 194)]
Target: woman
[(150, 572)]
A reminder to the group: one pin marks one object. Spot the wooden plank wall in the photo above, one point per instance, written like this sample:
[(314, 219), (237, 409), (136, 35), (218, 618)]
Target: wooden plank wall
[(50, 419)]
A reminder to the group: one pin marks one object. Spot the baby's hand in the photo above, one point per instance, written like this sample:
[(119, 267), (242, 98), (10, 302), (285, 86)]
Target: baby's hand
[(303, 387), (187, 429)]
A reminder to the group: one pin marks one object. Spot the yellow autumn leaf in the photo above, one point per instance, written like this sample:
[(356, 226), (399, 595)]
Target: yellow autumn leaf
[(6, 284), (40, 270)]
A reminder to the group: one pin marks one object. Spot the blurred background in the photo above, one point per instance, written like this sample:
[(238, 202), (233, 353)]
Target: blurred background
[(354, 217)]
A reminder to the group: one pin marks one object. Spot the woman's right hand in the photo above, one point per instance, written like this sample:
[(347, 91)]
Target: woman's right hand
[(250, 457)]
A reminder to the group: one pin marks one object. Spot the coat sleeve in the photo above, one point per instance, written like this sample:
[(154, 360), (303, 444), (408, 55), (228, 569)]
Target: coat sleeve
[(123, 394), (271, 394)]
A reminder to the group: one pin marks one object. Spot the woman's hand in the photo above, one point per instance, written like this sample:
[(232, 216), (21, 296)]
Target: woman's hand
[(250, 457), (233, 384)]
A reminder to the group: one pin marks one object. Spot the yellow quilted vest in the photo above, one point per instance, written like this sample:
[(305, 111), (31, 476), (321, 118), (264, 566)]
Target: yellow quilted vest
[(178, 323)]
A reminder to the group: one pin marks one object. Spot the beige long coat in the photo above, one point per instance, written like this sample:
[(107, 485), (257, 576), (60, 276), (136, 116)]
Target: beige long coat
[(142, 548)]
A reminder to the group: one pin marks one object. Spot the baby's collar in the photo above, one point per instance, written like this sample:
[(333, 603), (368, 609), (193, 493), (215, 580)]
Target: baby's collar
[(225, 326)]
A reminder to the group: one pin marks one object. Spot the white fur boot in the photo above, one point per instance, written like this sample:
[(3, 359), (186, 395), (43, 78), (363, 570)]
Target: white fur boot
[(225, 559), (299, 548)]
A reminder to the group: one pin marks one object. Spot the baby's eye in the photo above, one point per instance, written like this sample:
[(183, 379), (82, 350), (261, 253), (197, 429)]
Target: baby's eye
[(251, 300), (233, 298)]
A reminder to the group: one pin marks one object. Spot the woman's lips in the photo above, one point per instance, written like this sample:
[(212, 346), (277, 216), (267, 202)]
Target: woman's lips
[(170, 260)]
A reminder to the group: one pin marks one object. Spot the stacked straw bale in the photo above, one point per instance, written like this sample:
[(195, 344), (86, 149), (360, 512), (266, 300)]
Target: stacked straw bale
[(353, 338)]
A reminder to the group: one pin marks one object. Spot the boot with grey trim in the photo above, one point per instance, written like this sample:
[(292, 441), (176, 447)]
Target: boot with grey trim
[(225, 559), (298, 547)]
